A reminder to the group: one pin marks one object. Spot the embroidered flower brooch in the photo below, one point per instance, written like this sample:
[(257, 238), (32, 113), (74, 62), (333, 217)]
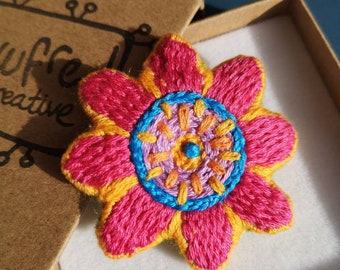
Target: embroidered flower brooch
[(183, 153)]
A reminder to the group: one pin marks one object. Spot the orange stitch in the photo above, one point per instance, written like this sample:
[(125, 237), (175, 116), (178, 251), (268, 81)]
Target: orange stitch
[(146, 78), (113, 192), (146, 137), (216, 167), (199, 107), (175, 231), (224, 127), (229, 156), (182, 193), (183, 117), (154, 172), (171, 178), (158, 157), (206, 123), (196, 183), (208, 78), (103, 124), (220, 143), (166, 109), (162, 127), (216, 185)]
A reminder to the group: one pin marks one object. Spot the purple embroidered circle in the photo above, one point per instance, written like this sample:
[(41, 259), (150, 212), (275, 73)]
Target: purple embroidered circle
[(188, 151), (169, 143)]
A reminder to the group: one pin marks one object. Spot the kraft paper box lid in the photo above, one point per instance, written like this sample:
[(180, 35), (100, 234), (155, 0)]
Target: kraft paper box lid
[(45, 48)]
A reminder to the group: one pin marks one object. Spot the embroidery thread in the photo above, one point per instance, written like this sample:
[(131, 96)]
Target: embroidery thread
[(183, 153)]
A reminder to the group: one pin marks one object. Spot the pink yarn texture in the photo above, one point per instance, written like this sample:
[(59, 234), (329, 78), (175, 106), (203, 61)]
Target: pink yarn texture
[(181, 152)]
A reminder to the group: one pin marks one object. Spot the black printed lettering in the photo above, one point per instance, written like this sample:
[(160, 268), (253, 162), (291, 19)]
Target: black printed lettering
[(34, 63), (37, 105)]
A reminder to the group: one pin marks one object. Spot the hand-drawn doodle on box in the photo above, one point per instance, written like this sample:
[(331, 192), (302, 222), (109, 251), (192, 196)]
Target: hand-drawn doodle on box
[(130, 41)]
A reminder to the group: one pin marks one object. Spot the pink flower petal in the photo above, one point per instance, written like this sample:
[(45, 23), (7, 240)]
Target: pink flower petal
[(134, 223), (98, 160), (114, 95), (262, 205), (269, 140), (236, 84), (174, 65), (209, 236)]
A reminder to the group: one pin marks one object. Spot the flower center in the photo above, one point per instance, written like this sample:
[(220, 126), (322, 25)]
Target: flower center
[(188, 151), (191, 150)]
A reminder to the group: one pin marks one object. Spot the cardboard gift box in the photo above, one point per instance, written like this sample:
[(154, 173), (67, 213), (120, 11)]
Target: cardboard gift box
[(44, 50)]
